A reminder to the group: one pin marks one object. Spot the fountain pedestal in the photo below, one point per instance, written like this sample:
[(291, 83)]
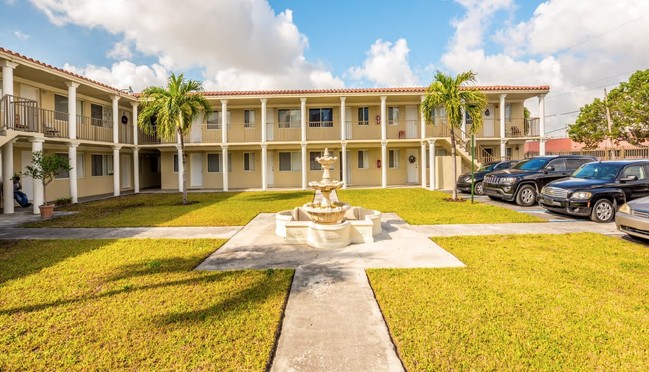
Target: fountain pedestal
[(327, 224)]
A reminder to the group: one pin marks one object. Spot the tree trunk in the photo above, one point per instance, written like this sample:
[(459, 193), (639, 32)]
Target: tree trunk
[(453, 156), (184, 174)]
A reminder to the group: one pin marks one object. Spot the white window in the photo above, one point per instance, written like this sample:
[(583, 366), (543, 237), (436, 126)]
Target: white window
[(363, 160), (393, 116), (313, 163), (102, 165), (175, 163), (101, 116), (393, 159), (363, 116), (508, 112), (321, 117), (249, 161), (290, 162), (214, 163), (248, 118), (215, 120), (289, 118)]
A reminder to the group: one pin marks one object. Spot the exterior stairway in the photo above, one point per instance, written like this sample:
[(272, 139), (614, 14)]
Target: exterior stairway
[(463, 147)]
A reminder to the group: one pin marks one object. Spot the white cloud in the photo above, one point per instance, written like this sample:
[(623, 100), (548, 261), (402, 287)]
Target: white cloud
[(121, 50), (573, 46), (21, 36), (124, 74), (239, 44), (386, 65)]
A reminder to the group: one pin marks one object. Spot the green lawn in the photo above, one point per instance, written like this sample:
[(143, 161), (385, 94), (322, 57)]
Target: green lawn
[(524, 302), (417, 206), (133, 304)]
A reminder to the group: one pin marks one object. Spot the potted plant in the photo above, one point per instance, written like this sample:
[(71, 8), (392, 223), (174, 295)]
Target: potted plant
[(44, 167)]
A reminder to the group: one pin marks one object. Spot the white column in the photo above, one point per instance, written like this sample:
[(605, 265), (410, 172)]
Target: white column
[(7, 174), (422, 164), (343, 124), (431, 160), (384, 112), (39, 198), (303, 119), (226, 170), (224, 121), (181, 169), (343, 163), (503, 132), (72, 156), (263, 123), (115, 99), (422, 120), (116, 178), (304, 165), (384, 164), (72, 109), (264, 166), (541, 124), (136, 170), (8, 88), (134, 119)]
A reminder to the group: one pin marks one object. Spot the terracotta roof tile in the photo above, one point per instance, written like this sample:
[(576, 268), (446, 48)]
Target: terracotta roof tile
[(18, 55), (486, 88)]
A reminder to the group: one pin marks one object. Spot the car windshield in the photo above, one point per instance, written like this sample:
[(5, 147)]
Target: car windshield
[(487, 167), (533, 164), (597, 171)]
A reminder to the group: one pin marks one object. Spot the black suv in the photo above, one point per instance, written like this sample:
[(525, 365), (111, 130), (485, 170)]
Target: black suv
[(464, 181), (598, 189), (523, 181)]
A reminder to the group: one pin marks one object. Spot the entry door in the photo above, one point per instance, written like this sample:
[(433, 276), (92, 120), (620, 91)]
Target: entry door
[(125, 170), (488, 121), (348, 123), (270, 124), (28, 113), (196, 160), (348, 181), (196, 131), (413, 174), (411, 121), (270, 169), (26, 181)]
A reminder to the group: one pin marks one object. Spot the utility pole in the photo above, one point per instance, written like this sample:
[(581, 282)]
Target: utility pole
[(608, 121)]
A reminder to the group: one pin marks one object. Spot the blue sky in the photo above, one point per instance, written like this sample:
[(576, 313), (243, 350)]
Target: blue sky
[(571, 45)]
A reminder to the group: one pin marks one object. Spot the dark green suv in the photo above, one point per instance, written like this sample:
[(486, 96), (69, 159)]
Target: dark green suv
[(523, 181)]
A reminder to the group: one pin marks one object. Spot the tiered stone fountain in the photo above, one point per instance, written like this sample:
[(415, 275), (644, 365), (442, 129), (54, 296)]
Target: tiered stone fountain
[(327, 223)]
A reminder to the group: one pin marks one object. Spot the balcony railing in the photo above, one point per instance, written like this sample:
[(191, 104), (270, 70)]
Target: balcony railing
[(242, 132), (356, 130), (94, 129), (404, 129)]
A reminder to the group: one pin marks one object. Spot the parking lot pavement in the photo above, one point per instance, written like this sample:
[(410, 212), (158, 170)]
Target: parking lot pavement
[(536, 210)]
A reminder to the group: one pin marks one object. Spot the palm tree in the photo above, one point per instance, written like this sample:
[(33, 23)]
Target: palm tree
[(173, 109), (446, 91)]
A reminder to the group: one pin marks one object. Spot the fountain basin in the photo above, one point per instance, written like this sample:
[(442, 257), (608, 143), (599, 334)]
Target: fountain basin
[(326, 215), (360, 225)]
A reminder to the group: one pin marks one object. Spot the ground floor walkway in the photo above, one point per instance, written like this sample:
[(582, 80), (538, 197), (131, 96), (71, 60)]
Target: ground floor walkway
[(332, 321)]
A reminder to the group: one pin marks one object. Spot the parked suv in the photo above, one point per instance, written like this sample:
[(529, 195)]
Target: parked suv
[(597, 189), (523, 181), (464, 181)]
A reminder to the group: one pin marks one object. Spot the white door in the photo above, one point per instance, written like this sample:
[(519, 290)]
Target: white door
[(348, 122), (270, 124), (488, 121), (270, 171), (28, 112), (348, 181), (125, 170), (413, 174), (26, 181), (411, 121), (197, 170), (196, 131)]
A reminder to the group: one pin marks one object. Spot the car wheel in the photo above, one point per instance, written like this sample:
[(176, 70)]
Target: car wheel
[(479, 188), (526, 196), (603, 211)]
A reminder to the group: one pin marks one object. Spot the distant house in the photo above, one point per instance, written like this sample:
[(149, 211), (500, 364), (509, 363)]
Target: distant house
[(555, 146)]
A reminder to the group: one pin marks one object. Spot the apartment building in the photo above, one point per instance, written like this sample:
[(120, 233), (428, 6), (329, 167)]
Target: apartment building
[(252, 139)]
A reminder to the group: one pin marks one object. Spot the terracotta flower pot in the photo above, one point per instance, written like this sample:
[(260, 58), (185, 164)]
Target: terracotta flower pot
[(46, 211)]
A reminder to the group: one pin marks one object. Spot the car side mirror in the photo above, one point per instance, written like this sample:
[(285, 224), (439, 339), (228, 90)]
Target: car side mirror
[(628, 178), (549, 169)]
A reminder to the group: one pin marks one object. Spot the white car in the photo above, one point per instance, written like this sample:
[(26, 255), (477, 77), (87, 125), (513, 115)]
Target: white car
[(633, 218)]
